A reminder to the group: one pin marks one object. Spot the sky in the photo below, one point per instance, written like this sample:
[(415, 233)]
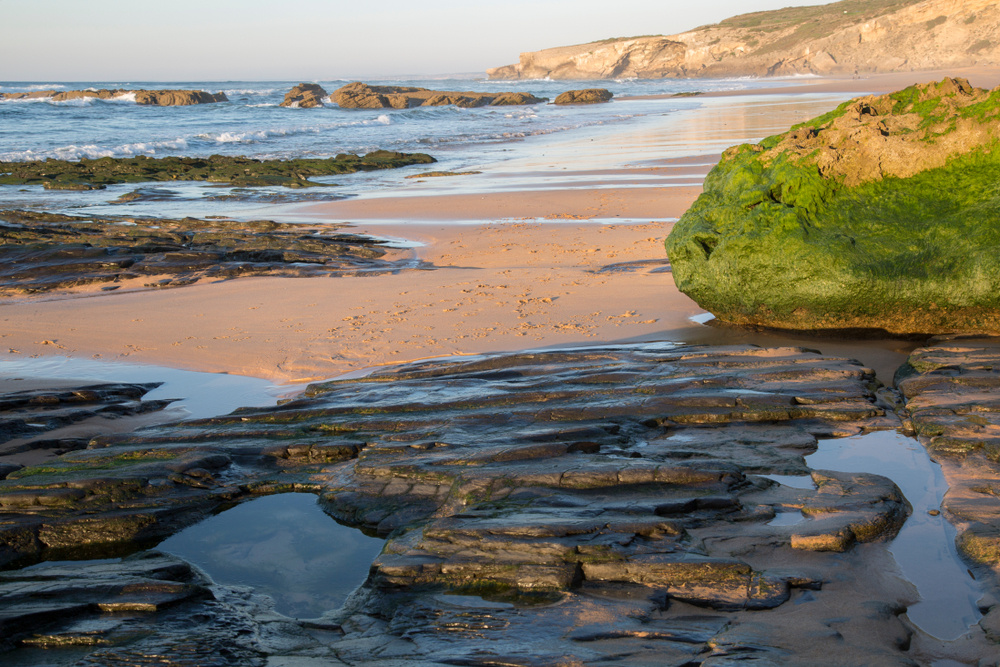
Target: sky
[(260, 40)]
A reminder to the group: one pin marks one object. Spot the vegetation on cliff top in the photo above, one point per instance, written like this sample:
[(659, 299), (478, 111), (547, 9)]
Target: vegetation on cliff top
[(882, 214)]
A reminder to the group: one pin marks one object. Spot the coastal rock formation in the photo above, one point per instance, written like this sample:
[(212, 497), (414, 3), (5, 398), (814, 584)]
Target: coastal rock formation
[(840, 38), (238, 171), (577, 506), (359, 95), (305, 96), (588, 96), (881, 214), (163, 98), (42, 252), (952, 392)]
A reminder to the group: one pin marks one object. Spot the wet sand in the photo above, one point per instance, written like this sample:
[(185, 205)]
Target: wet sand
[(560, 246)]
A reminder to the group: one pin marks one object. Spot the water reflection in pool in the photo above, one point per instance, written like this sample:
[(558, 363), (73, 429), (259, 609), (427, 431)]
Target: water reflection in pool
[(284, 546)]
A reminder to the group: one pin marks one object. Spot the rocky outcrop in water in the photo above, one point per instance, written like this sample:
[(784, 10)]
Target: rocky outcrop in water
[(878, 215), (238, 171), (578, 506), (588, 96), (162, 98), (42, 252), (840, 38), (359, 95), (305, 96)]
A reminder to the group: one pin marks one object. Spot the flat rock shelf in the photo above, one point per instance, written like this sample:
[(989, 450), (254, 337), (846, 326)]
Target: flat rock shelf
[(586, 506)]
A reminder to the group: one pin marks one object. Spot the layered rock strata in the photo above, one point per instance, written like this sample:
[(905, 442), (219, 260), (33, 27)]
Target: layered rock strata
[(848, 37), (952, 392), (616, 491), (360, 95), (882, 214), (238, 171), (162, 98), (42, 252)]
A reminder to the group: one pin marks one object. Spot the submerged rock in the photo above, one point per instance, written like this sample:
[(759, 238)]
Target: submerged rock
[(163, 98), (238, 171), (588, 96), (360, 95), (41, 252), (882, 214), (305, 96)]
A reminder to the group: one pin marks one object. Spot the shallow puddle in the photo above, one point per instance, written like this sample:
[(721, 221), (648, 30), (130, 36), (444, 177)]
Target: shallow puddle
[(283, 546), (199, 394), (925, 547)]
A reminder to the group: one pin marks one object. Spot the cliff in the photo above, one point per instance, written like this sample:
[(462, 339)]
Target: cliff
[(853, 36)]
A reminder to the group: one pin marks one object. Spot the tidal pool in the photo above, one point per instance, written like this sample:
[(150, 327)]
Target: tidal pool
[(925, 547), (283, 546)]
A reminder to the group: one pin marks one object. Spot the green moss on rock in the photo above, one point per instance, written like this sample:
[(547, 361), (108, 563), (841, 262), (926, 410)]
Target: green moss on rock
[(237, 171), (883, 214)]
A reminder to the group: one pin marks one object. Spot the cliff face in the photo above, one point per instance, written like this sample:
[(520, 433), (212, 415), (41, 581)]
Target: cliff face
[(853, 36)]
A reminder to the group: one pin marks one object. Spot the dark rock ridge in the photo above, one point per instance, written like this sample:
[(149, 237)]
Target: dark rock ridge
[(305, 96), (237, 171), (882, 214), (360, 95), (848, 37), (40, 252), (617, 489), (27, 417), (587, 96), (162, 98)]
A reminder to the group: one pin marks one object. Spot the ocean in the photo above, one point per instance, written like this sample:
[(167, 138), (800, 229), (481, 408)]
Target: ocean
[(253, 124)]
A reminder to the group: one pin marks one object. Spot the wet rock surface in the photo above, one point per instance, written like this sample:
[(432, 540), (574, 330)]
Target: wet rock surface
[(304, 96), (162, 98), (26, 416), (88, 174), (572, 507), (43, 252), (952, 393), (360, 95), (587, 96)]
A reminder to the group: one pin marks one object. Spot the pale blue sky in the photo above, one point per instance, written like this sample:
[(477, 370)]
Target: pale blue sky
[(218, 40)]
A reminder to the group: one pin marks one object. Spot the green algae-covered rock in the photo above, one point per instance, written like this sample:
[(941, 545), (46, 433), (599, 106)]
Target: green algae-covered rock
[(882, 214)]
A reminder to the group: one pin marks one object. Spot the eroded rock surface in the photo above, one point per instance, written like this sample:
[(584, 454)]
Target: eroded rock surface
[(43, 252), (162, 98), (305, 96), (26, 417), (952, 393), (360, 95), (605, 502), (238, 171)]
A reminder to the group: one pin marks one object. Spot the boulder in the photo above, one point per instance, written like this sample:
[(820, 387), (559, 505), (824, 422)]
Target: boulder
[(305, 96), (360, 95), (587, 96), (881, 214)]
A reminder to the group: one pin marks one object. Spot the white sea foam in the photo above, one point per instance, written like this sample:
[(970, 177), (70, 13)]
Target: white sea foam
[(94, 151), (34, 86), (250, 91)]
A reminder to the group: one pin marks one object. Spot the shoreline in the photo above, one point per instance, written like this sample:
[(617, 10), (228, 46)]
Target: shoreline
[(531, 253)]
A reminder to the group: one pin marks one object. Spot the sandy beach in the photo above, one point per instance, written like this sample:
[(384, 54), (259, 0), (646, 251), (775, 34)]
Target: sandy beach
[(558, 256)]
